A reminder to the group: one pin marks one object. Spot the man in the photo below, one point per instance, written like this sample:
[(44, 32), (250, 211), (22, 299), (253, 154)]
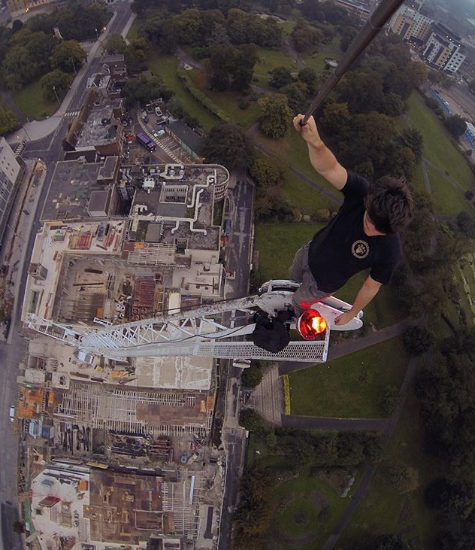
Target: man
[(363, 234)]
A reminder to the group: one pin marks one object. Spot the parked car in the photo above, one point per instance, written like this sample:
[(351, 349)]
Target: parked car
[(12, 413)]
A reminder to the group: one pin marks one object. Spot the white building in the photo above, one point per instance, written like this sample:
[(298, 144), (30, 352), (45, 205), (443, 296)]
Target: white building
[(410, 24), (443, 49), (9, 171), (455, 62)]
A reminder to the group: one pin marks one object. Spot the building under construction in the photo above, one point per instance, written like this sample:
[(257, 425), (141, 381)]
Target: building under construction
[(126, 444)]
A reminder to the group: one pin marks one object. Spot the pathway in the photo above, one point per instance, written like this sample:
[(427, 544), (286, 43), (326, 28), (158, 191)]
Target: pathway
[(294, 53), (267, 397), (426, 176), (336, 424)]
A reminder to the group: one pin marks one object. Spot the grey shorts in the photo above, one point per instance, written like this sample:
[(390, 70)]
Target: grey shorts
[(308, 292)]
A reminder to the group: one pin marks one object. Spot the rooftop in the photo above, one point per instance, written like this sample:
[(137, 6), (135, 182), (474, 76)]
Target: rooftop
[(70, 190), (187, 135), (52, 243), (100, 127)]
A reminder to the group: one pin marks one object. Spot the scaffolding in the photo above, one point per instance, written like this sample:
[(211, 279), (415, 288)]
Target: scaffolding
[(116, 410), (181, 500)]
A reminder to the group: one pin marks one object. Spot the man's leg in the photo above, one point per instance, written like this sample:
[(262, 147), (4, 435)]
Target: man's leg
[(299, 264), (307, 294)]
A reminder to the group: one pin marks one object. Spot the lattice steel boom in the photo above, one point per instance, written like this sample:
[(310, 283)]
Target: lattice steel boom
[(216, 330)]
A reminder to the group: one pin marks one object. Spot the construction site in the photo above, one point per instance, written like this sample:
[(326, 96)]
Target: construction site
[(120, 450)]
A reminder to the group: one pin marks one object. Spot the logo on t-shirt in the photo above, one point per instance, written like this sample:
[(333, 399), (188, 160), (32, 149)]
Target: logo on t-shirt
[(360, 249)]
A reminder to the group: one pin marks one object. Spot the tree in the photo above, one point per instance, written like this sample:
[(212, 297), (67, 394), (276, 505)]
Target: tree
[(392, 105), (466, 224), (347, 35), (279, 77), (55, 84), (388, 399), (417, 340), (246, 28), (412, 138), (241, 74), (335, 120), (296, 96), (187, 27), (363, 91), (251, 420), (266, 172), (81, 22), (312, 9), (305, 37), (399, 476), (228, 145), (8, 121), (388, 542), (252, 376), (456, 125), (454, 498), (142, 89), (115, 43), (17, 25), (18, 68), (68, 56), (40, 47), (276, 116), (309, 77), (231, 67), (135, 55)]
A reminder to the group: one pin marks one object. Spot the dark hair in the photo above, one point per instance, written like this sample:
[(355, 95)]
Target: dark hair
[(389, 204)]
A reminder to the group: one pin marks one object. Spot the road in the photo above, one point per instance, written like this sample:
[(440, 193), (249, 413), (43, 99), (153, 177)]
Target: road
[(239, 246), (10, 357)]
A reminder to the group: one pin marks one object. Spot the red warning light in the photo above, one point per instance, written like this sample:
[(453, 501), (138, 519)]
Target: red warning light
[(311, 324)]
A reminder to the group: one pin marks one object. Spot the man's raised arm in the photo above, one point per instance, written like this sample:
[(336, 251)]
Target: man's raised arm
[(322, 159)]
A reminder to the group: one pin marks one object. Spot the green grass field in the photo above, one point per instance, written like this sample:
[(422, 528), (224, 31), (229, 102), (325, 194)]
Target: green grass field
[(32, 104), (438, 146), (298, 521), (417, 179), (269, 59), (165, 66), (448, 201), (228, 102), (292, 150), (302, 196), (277, 245), (351, 386)]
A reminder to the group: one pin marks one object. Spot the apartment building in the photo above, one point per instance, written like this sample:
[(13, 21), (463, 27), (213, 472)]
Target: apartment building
[(443, 49), (411, 25)]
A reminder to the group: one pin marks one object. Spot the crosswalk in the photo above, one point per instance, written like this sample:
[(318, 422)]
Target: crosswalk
[(71, 114), (19, 148), (163, 144)]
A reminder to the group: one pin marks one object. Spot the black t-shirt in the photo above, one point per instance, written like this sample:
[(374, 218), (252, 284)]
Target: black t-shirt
[(342, 248)]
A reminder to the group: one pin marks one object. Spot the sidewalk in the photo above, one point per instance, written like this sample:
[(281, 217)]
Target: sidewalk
[(17, 233)]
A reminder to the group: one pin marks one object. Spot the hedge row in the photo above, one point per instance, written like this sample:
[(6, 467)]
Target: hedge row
[(202, 98)]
